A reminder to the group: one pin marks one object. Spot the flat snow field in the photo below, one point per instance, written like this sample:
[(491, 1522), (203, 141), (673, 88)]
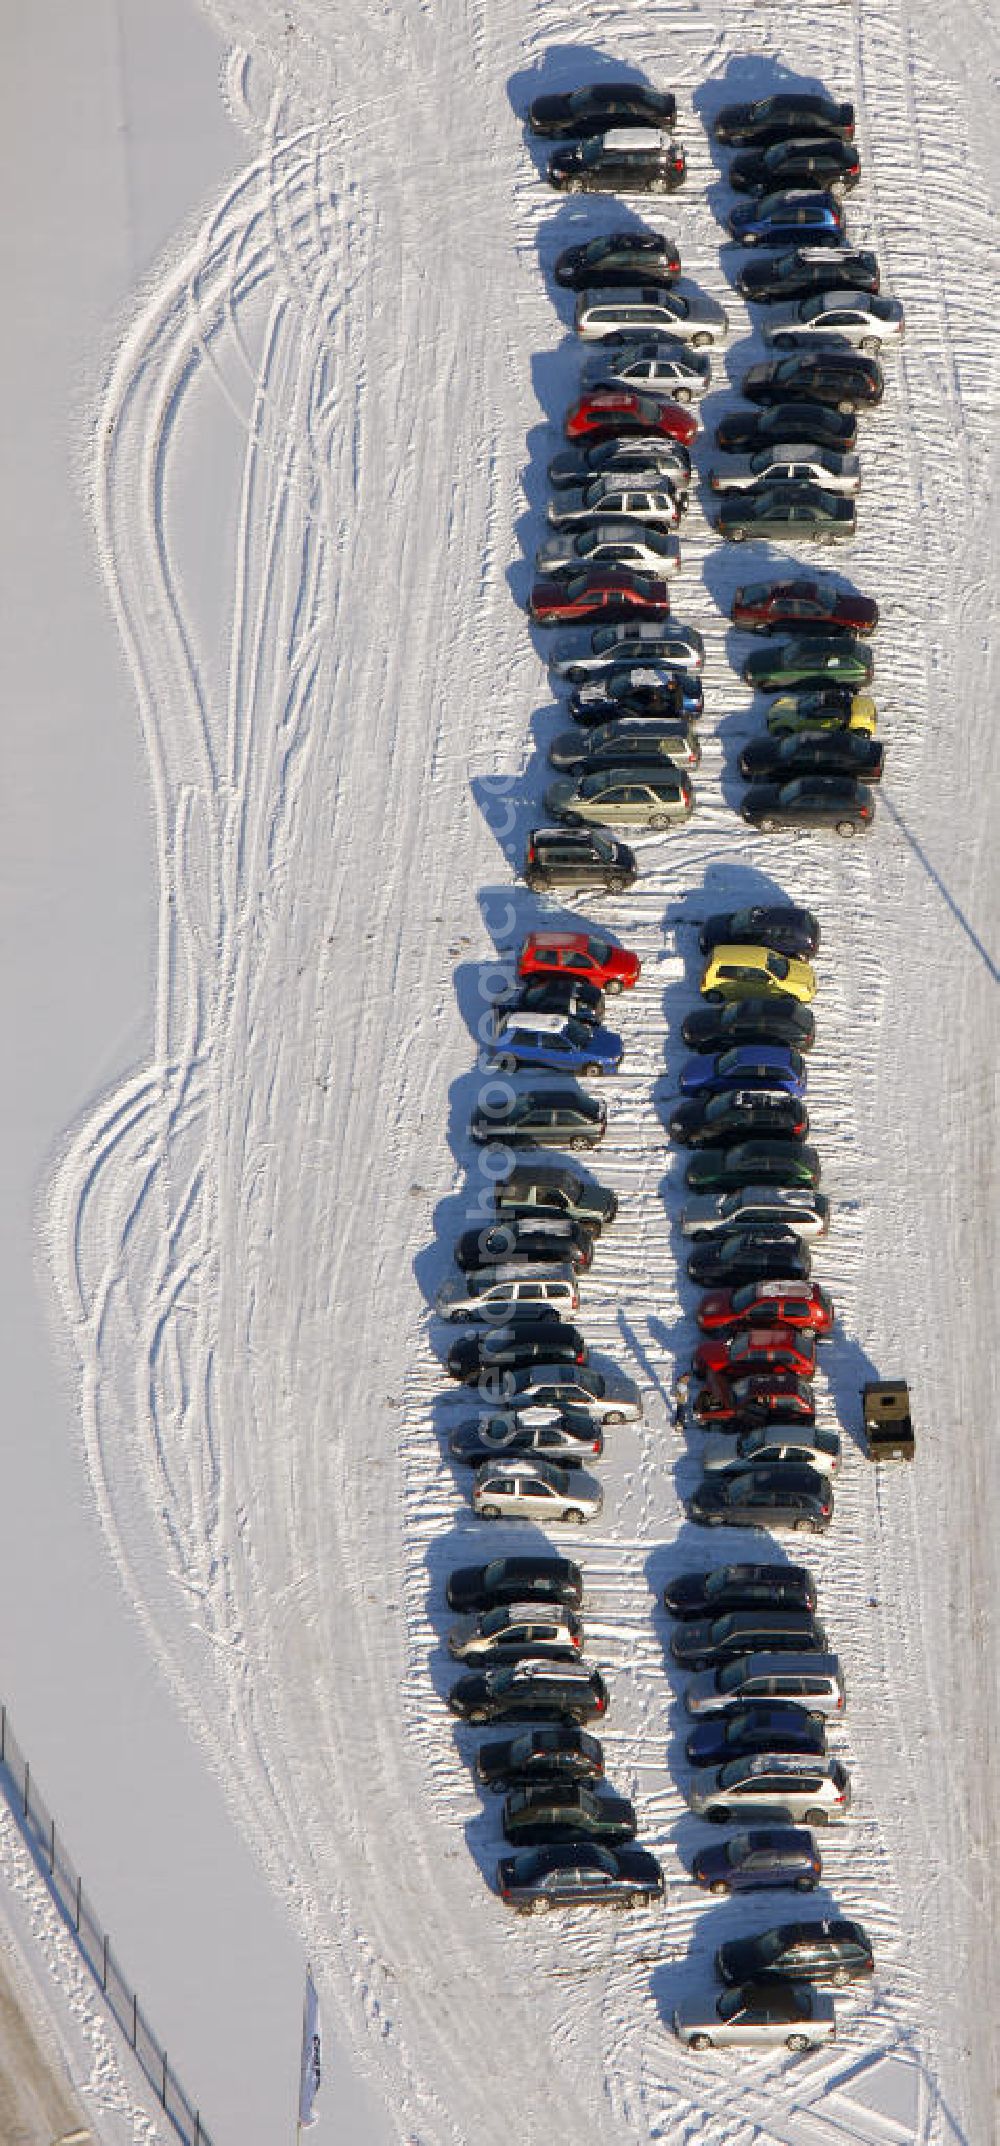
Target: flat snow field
[(283, 372)]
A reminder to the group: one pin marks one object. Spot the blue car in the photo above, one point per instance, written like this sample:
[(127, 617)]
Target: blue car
[(796, 217), (746, 1065), (764, 1856), (758, 1725), (554, 1042)]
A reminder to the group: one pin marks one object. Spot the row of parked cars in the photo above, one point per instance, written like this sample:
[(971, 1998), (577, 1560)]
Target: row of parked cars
[(788, 466)]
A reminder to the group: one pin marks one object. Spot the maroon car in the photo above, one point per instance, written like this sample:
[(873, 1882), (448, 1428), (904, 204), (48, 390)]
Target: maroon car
[(595, 595), (807, 604), (757, 1348), (757, 1398), (610, 412)]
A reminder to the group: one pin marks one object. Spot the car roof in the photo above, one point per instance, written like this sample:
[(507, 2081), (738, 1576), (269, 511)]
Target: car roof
[(651, 138)]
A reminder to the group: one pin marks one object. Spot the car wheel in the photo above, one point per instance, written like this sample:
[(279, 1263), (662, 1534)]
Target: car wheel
[(736, 536), (573, 1516), (489, 1512), (505, 1065), (659, 821), (719, 1886), (614, 1415), (592, 1070), (716, 1814), (846, 828), (847, 407), (631, 1900), (614, 983), (682, 394), (536, 881), (815, 1818), (797, 2041), (540, 1906), (803, 1525), (701, 342), (840, 1975), (783, 342), (579, 1140), (576, 677), (805, 1885), (477, 1714), (700, 2041), (872, 346), (713, 998), (618, 884)]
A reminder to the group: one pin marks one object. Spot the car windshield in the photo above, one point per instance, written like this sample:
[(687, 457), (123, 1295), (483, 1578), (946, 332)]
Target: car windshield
[(494, 1621), (600, 950), (770, 1946), (578, 1035), (737, 1850), (778, 965), (731, 1677)]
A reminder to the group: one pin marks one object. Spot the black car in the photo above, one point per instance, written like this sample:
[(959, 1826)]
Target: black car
[(808, 660), (805, 269), (533, 1341), (542, 1811), (738, 1732), (750, 1255), (575, 466), (831, 1950), (520, 1691), (602, 104), (844, 379), (753, 1162), (543, 1755), (780, 117), (776, 1494), (802, 160), (515, 1579), (578, 857), (782, 926), (813, 423), (714, 1640), (618, 258), (622, 160), (637, 692), (542, 1236), (738, 1112), (551, 1187), (759, 1858), (810, 801), (750, 1020), (706, 1594), (579, 1874), (565, 1441), (819, 752), (571, 995), (649, 738), (541, 1117)]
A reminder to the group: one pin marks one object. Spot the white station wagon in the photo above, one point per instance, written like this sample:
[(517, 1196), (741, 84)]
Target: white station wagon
[(492, 1293), (772, 1786), (686, 315)]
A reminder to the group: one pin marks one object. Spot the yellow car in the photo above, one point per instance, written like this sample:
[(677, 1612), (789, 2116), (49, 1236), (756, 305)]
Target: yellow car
[(736, 972), (821, 708)]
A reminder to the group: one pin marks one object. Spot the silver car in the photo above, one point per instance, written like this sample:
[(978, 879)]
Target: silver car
[(666, 368), (513, 1629), (517, 1489), (814, 1447), (493, 1293), (836, 317), (687, 315), (649, 737), (785, 464), (616, 495), (624, 796), (813, 1681), (668, 642), (762, 2015), (614, 541), (776, 1787), (713, 1214)]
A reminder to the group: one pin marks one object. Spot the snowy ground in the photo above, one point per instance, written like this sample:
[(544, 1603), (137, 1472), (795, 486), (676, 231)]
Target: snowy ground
[(306, 368)]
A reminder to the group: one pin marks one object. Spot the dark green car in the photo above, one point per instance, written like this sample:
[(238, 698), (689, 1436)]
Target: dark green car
[(753, 1162), (787, 510), (566, 1810), (814, 660)]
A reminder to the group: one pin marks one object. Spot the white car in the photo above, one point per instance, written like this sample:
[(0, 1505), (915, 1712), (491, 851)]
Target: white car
[(668, 368), (518, 1489), (775, 1785), (814, 1448), (668, 642), (493, 1293), (516, 1627), (763, 2015), (611, 495), (847, 317), (712, 1214), (687, 315), (614, 542), (785, 463)]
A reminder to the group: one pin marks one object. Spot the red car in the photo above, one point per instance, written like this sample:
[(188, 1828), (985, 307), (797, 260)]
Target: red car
[(805, 604), (757, 1348), (767, 1395), (798, 1304), (610, 412), (575, 953), (587, 596)]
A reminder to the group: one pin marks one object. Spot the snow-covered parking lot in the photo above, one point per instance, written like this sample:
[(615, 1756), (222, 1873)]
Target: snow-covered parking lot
[(284, 368)]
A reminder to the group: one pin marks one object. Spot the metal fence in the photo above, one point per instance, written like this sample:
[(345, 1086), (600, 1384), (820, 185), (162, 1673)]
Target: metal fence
[(66, 1886)]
